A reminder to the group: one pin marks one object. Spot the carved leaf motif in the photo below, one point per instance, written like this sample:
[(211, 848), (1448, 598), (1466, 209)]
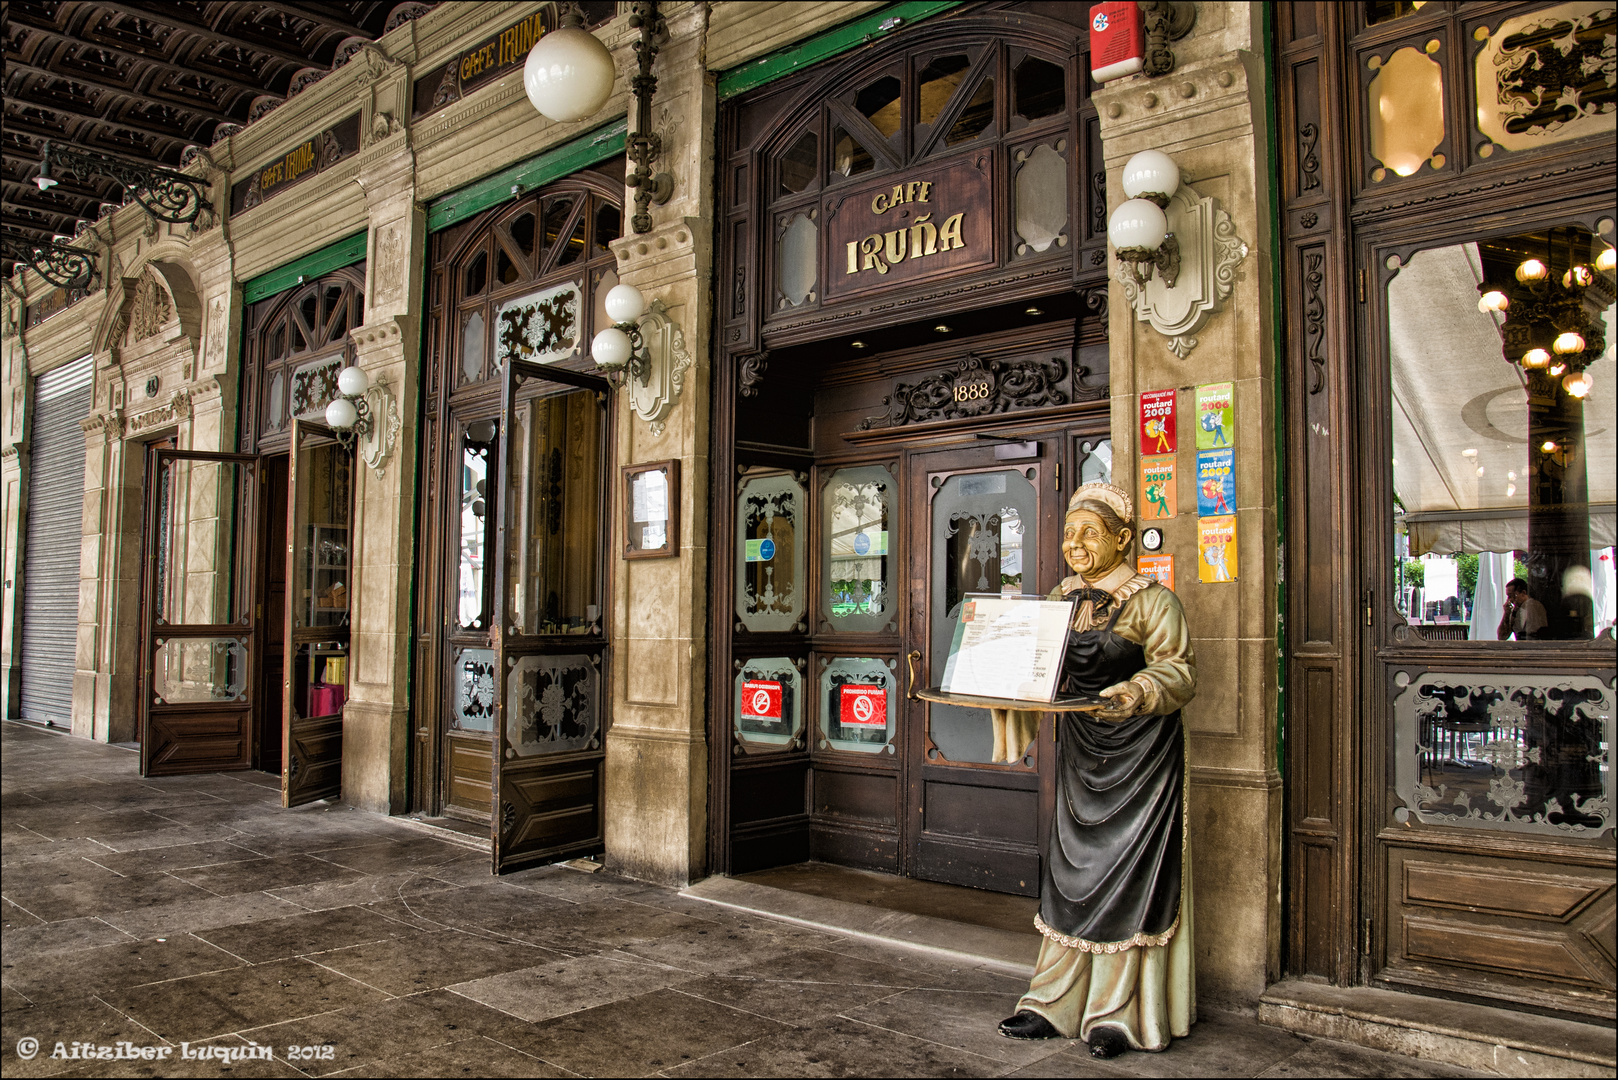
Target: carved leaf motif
[(1018, 384)]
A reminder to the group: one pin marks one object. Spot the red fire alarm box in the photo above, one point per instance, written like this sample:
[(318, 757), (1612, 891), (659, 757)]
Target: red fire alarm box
[(1117, 40)]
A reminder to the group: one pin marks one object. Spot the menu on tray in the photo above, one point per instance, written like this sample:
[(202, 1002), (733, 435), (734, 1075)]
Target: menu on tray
[(1008, 647)]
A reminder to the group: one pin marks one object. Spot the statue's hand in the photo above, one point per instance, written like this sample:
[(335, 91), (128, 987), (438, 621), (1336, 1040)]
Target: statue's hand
[(1126, 699)]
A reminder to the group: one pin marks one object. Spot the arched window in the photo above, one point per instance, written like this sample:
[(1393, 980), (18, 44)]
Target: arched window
[(297, 342)]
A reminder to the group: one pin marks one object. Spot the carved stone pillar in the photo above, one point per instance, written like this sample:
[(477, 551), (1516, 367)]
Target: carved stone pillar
[(657, 772)]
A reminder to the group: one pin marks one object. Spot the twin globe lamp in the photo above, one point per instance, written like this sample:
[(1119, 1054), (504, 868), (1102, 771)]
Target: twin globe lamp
[(1139, 228)]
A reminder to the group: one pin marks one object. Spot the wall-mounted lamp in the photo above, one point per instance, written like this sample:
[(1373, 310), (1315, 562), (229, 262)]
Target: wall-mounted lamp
[(1139, 228), (1177, 250), (569, 76), (365, 415), (643, 352), (59, 264), (166, 196)]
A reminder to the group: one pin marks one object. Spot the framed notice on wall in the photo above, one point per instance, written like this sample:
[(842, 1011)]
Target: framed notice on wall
[(652, 510)]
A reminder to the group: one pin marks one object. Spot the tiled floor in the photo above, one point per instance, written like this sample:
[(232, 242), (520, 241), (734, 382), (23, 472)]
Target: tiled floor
[(195, 914)]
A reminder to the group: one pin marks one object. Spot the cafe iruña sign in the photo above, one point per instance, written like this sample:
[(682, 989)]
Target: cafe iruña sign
[(900, 230)]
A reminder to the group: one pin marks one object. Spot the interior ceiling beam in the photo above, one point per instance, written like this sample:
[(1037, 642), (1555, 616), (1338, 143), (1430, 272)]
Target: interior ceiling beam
[(136, 94), (166, 134), (157, 63), (297, 11), (177, 21)]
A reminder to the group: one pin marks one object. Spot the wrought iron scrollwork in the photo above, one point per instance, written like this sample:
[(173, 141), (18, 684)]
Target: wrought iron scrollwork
[(59, 264), (167, 196)]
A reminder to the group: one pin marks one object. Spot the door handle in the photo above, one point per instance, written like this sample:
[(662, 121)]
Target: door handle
[(914, 655)]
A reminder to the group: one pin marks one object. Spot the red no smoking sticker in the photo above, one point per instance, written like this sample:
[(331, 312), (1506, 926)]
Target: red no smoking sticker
[(865, 706), (761, 700)]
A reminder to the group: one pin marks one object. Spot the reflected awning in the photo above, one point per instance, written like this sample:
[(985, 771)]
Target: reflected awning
[(1449, 532)]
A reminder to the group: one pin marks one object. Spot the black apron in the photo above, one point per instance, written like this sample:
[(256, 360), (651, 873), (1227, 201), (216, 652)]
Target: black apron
[(1114, 862)]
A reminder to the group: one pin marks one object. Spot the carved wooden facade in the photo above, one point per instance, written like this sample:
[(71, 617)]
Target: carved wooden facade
[(1381, 891)]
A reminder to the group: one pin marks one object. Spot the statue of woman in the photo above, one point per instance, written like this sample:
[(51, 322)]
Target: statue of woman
[(1115, 966)]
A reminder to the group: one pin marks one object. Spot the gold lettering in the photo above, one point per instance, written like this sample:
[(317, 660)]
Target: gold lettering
[(910, 190), (926, 186), (853, 256), (894, 248), (923, 232), (879, 205), (950, 235), (871, 247)]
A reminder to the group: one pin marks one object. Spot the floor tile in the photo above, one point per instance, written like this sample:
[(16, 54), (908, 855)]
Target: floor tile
[(228, 879), (69, 934), (961, 1019), (416, 961), (71, 900), (568, 986), (206, 1006), (1323, 1058), (186, 916), (301, 934), (79, 1019), (177, 857), (646, 1034), (56, 975), (476, 1056), (361, 889), (839, 1048)]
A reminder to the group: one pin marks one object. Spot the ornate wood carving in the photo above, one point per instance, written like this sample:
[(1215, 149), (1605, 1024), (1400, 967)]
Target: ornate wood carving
[(974, 387), (1314, 317), (750, 372), (1308, 158)]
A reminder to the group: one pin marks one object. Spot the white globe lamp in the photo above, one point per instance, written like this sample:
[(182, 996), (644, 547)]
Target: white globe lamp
[(352, 382), (611, 348), (1137, 225), (1151, 174), (569, 73), (624, 303), (341, 414)]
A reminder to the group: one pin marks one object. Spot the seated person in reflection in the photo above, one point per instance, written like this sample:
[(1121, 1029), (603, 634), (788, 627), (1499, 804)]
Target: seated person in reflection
[(1115, 967), (1523, 617)]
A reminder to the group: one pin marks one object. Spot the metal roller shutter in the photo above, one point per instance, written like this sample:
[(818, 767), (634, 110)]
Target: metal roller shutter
[(50, 619)]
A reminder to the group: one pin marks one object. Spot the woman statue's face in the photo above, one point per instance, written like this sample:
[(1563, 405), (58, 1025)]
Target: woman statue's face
[(1089, 547)]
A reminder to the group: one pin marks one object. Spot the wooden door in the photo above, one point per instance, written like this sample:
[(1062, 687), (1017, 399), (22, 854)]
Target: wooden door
[(198, 642), (548, 629), (318, 600), (980, 523)]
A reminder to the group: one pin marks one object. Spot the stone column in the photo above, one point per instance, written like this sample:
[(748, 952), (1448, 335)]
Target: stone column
[(376, 718), (656, 771), (13, 467), (1209, 115)]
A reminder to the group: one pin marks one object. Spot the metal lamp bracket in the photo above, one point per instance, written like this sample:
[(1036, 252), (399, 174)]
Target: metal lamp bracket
[(653, 394), (375, 444), (1209, 251)]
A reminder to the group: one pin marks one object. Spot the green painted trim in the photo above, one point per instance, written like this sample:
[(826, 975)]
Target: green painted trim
[(553, 164), (862, 31), (345, 252), (1272, 177)]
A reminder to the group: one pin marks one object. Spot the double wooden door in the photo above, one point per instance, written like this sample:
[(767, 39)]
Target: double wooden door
[(205, 631)]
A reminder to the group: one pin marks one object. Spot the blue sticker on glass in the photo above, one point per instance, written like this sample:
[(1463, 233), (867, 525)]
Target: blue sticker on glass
[(766, 550), (862, 544)]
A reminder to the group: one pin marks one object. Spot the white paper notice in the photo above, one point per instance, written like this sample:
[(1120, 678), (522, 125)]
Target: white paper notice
[(1008, 648), (649, 496)]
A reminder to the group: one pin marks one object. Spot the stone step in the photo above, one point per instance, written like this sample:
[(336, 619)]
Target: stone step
[(1458, 1033)]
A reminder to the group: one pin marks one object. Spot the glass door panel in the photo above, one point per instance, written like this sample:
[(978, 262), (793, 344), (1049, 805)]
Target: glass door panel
[(550, 645), (197, 636), (320, 500)]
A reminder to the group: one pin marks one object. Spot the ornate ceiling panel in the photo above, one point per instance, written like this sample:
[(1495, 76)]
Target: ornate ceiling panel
[(144, 80)]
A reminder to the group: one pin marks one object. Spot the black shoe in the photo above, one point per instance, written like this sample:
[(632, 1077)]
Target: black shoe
[(1107, 1043), (1028, 1025)]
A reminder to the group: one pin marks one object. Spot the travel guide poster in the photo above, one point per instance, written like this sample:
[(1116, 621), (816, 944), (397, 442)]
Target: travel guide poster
[(1216, 549), (1158, 499), (1216, 415), (1157, 422), (1216, 482)]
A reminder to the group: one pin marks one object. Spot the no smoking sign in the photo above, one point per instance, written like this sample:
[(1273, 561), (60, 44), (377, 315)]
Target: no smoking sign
[(864, 706), (761, 700)]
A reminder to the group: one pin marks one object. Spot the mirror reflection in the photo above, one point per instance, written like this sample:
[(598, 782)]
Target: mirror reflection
[(1504, 425), (477, 447)]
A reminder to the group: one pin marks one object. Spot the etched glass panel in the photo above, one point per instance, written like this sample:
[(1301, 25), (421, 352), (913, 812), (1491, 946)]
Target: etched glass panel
[(1406, 111), (473, 679), (1097, 464), (192, 670), (553, 704), (474, 343), (797, 165), (1041, 198), (1504, 448), (937, 84), (975, 118), (857, 527), (277, 400), (796, 259), (767, 709), (1549, 76), (553, 540), (314, 384), (477, 449), (1520, 753), (849, 158), (858, 705), (981, 525), (542, 327), (1040, 87), (770, 579)]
